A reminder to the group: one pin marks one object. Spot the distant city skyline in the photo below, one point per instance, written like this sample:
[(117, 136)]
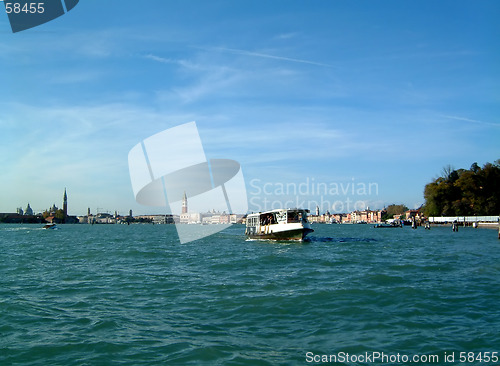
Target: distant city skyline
[(338, 93)]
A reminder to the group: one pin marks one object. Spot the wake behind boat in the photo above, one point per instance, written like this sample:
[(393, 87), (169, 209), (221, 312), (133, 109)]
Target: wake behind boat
[(280, 224)]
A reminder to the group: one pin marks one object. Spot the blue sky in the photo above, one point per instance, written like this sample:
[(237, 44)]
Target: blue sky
[(299, 92)]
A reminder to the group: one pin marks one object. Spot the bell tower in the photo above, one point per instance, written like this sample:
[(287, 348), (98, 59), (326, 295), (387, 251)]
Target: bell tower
[(184, 203), (65, 205)]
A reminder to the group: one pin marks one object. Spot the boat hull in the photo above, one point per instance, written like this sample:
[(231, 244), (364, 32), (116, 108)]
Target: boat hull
[(288, 235)]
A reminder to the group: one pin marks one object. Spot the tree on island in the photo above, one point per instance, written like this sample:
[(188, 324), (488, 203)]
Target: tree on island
[(464, 192), (58, 214), (392, 210)]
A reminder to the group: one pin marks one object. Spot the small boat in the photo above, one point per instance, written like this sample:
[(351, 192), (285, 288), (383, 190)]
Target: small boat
[(50, 226), (391, 225), (280, 224)]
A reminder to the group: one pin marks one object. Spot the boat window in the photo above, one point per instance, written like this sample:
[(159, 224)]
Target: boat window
[(294, 216), (252, 221), (267, 219), (281, 216), (297, 216)]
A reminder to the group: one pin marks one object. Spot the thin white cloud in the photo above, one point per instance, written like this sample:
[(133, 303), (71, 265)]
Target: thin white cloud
[(187, 64), (464, 119), (162, 60), (158, 58), (265, 55)]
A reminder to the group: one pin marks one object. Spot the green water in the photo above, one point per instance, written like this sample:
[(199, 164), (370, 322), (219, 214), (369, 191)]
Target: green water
[(133, 295)]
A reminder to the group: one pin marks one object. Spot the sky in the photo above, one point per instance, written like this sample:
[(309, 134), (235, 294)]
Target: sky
[(340, 104)]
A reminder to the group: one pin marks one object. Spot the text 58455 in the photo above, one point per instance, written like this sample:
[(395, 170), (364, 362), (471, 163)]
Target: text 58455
[(27, 8)]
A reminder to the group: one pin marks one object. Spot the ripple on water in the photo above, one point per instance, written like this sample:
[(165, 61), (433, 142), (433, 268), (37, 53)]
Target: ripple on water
[(134, 295)]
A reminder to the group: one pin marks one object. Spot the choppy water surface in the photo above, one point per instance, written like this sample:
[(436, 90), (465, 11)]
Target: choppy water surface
[(133, 295)]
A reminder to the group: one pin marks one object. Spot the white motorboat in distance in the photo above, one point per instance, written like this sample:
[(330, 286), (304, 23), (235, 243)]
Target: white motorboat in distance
[(280, 224)]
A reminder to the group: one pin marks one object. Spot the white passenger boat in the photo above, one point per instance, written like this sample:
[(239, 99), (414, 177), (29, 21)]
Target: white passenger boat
[(280, 224)]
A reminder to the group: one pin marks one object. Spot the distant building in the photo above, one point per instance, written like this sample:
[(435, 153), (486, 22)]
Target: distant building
[(104, 218), (83, 219), (28, 211), (224, 218), (366, 216), (411, 214), (236, 218), (313, 218), (14, 218), (53, 209), (166, 219), (338, 218), (190, 218)]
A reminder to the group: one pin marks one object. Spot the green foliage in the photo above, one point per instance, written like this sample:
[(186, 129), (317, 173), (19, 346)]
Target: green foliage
[(464, 192), (59, 215), (392, 210)]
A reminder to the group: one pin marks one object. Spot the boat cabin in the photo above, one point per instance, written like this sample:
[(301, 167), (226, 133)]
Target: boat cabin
[(279, 216)]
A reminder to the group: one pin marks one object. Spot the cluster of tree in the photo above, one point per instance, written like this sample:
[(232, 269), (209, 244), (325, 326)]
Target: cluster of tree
[(59, 214), (392, 210), (464, 192)]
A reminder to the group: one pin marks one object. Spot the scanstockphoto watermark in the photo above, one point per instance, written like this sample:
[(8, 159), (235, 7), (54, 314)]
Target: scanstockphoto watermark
[(374, 357), (311, 193)]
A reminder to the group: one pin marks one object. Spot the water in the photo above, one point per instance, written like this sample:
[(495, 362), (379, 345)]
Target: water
[(133, 295)]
